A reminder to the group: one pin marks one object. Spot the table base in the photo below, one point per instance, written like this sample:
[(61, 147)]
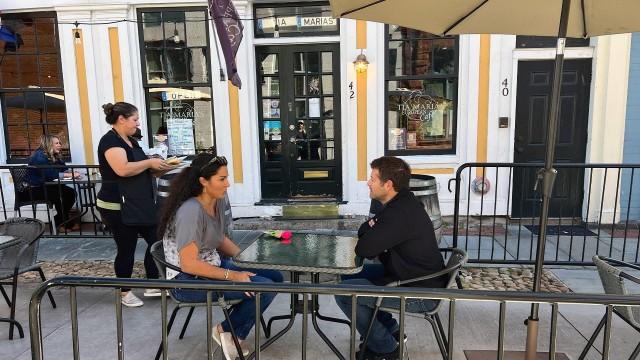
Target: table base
[(13, 323), (299, 306)]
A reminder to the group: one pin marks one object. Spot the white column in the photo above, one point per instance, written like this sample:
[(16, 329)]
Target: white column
[(607, 115)]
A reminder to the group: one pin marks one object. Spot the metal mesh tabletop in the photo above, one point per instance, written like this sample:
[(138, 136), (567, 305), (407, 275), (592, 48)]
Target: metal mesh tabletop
[(313, 253)]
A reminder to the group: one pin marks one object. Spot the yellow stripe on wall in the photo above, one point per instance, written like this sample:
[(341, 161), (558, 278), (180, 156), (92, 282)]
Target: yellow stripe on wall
[(236, 139), (116, 65), (361, 105), (433, 171), (83, 93), (361, 34), (483, 101)]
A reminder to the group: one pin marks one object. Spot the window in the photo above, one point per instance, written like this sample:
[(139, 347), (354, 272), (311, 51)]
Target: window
[(421, 91), (290, 20), (176, 63), (31, 87)]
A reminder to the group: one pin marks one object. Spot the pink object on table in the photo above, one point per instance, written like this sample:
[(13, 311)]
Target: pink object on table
[(286, 235)]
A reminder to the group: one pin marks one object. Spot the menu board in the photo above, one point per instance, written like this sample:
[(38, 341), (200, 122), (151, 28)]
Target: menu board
[(181, 141)]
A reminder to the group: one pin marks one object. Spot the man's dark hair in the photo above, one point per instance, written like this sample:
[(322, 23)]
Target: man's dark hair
[(394, 169)]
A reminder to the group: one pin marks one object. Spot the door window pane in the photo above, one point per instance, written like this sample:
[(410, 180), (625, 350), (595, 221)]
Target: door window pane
[(327, 62), (271, 108), (300, 86), (270, 86), (269, 65), (327, 84)]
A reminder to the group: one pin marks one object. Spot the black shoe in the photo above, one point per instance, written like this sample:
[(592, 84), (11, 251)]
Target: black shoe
[(372, 355), (396, 335)]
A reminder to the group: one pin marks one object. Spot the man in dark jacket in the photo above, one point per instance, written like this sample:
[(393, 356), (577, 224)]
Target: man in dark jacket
[(402, 238)]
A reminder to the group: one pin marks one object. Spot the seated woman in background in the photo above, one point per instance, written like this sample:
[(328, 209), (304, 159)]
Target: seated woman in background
[(193, 226), (62, 197)]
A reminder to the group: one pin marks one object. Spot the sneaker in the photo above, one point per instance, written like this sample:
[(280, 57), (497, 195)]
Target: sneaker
[(130, 300), (152, 293), (225, 341)]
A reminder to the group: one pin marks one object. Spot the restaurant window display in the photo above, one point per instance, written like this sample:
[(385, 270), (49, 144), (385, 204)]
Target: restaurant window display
[(177, 82), (31, 87), (421, 92)]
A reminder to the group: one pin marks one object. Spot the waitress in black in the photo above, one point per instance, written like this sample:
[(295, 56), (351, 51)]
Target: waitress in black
[(126, 200)]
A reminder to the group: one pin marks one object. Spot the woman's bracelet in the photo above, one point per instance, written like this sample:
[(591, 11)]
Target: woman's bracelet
[(226, 274)]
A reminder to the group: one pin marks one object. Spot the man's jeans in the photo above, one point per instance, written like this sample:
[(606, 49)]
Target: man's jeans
[(381, 339), (242, 315)]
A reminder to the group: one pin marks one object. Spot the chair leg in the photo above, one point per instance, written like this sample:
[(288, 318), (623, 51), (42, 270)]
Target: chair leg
[(442, 333), (171, 319), (5, 296), (264, 327), (436, 332), (233, 333), (593, 338), (53, 302), (12, 317), (635, 353), (186, 322), (458, 282), (366, 337)]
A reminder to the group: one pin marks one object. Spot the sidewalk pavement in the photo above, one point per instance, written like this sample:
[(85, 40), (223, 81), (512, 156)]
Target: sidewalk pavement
[(476, 322)]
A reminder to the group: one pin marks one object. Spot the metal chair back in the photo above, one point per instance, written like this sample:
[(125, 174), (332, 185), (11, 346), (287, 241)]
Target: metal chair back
[(613, 281), (24, 254)]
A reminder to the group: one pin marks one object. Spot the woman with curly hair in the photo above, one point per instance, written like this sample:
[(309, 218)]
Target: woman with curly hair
[(194, 230)]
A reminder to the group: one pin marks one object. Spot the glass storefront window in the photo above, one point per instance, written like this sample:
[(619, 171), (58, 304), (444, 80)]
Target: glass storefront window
[(31, 88), (421, 92), (176, 62), (304, 19)]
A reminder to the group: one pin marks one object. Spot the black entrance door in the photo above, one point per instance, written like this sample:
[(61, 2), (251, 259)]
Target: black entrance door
[(534, 91), (299, 114)]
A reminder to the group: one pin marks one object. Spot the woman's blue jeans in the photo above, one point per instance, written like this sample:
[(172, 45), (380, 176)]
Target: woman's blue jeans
[(241, 315), (381, 339)]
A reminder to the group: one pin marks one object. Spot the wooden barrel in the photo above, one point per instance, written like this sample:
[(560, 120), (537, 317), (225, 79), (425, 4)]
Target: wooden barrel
[(425, 188)]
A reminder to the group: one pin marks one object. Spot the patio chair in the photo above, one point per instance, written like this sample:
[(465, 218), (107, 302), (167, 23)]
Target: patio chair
[(19, 259), (457, 259), (157, 252), (613, 281), (22, 187)]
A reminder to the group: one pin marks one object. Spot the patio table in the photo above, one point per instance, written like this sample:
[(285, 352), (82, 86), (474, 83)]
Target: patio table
[(86, 195), (310, 253), (7, 241)]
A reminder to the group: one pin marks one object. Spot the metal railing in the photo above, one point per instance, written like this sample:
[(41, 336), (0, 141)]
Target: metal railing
[(19, 198), (453, 297), (595, 210)]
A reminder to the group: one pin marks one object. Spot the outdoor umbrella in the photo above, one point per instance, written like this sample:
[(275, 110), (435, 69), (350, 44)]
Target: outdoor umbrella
[(561, 18)]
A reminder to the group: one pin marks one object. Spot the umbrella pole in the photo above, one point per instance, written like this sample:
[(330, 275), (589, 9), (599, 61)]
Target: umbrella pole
[(547, 176)]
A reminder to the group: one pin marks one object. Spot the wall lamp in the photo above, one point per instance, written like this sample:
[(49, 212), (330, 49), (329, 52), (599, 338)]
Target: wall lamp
[(361, 64)]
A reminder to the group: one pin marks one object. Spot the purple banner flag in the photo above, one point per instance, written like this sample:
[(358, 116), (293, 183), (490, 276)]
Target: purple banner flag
[(229, 29)]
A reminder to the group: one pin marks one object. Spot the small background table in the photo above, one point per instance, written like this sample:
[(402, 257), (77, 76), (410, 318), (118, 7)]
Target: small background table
[(307, 253), (86, 196)]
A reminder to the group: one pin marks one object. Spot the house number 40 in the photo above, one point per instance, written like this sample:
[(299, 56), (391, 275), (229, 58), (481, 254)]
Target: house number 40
[(505, 87)]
